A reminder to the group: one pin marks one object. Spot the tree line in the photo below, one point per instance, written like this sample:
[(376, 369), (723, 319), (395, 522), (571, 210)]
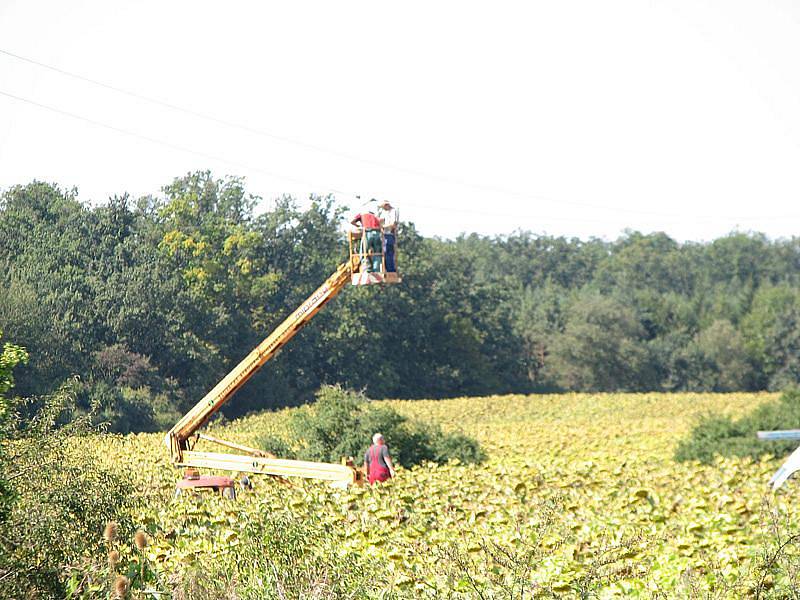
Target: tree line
[(150, 301)]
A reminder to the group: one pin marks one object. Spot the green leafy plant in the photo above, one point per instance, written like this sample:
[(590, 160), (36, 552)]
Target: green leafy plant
[(341, 423), (60, 497), (10, 357), (720, 435)]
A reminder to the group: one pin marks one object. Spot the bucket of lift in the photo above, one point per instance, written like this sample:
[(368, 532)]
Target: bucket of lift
[(361, 261)]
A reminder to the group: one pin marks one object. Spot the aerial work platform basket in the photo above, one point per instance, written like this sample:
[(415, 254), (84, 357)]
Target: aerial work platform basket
[(362, 260)]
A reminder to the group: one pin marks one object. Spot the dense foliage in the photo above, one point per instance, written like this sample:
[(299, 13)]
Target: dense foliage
[(341, 423), (270, 555), (721, 435), (280, 557), (150, 301), (54, 502), (10, 357)]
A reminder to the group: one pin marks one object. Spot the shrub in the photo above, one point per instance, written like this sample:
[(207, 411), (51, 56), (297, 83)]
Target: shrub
[(61, 498), (457, 446), (10, 357), (716, 435), (342, 422), (127, 393), (277, 446)]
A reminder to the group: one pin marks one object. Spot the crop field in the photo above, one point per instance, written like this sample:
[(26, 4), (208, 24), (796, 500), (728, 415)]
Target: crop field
[(579, 494)]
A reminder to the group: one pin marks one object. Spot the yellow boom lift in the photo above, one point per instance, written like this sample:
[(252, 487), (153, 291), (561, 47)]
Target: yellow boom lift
[(183, 437)]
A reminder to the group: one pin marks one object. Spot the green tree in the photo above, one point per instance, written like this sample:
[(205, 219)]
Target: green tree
[(644, 262), (718, 360), (601, 348), (11, 356), (190, 280), (540, 316), (48, 250), (772, 335)]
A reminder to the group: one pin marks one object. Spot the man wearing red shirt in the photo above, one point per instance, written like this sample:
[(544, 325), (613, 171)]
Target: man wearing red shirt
[(371, 246), (377, 462)]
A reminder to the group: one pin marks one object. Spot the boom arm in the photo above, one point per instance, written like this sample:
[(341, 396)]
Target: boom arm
[(177, 437)]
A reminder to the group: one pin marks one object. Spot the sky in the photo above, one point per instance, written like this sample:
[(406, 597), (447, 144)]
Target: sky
[(574, 118)]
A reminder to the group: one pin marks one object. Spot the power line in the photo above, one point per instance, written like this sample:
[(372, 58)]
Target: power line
[(221, 159), (208, 156), (168, 144), (322, 149), (544, 217), (326, 188), (224, 122)]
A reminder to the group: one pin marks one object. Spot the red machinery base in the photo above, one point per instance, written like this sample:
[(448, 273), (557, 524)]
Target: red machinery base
[(217, 483)]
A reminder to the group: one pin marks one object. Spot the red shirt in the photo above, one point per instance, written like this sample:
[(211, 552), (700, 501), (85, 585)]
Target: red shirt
[(368, 220)]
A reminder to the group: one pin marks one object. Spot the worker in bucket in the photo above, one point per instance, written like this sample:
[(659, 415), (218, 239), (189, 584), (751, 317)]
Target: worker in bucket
[(370, 240), (377, 462), (388, 218)]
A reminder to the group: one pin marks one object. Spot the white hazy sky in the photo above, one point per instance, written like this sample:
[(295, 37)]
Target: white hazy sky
[(570, 118)]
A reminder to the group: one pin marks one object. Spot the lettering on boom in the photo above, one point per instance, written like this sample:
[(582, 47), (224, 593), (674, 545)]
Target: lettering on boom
[(311, 302)]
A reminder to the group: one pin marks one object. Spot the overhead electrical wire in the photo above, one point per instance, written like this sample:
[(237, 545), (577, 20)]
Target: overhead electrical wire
[(188, 111), (222, 159), (167, 144), (322, 149), (273, 174), (326, 188)]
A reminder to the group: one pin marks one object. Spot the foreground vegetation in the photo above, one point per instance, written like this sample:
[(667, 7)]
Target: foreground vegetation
[(579, 495), (54, 500)]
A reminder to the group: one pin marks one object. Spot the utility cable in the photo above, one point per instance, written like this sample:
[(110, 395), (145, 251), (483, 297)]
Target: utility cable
[(305, 182), (169, 144), (322, 149), (222, 159)]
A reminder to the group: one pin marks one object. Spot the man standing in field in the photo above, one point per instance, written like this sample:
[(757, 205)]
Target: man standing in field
[(377, 462)]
